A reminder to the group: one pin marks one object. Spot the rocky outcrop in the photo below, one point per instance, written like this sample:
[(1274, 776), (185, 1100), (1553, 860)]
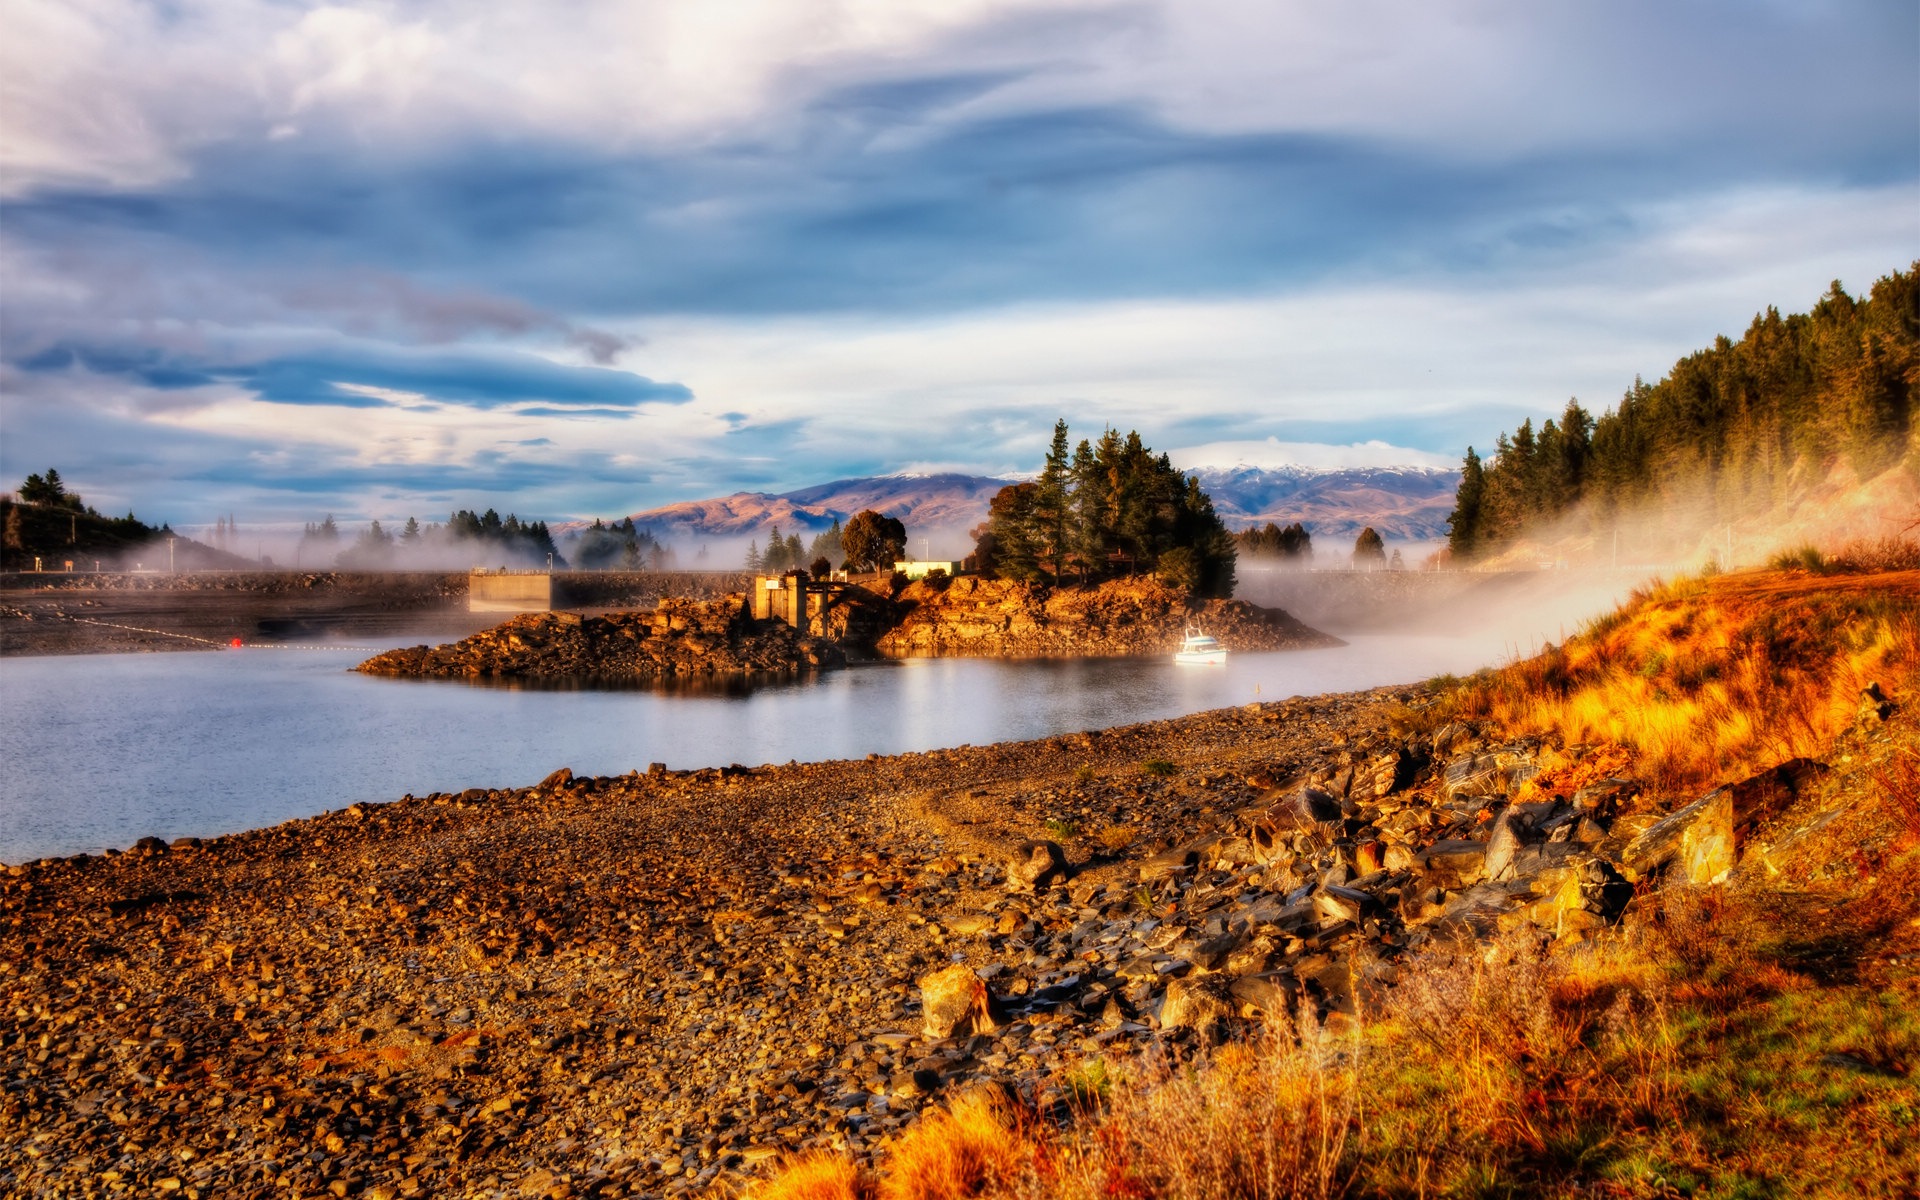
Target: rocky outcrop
[(679, 638), (1139, 615)]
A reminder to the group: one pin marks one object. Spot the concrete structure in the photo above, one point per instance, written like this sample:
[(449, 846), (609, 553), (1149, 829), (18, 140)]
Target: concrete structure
[(510, 591), (914, 569), (782, 598)]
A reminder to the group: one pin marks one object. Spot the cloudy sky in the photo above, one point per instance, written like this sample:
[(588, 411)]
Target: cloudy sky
[(577, 258)]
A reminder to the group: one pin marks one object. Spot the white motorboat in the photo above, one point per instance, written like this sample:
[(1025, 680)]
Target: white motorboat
[(1199, 650)]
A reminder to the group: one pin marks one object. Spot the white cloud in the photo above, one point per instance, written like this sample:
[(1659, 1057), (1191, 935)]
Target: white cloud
[(1272, 453), (119, 92)]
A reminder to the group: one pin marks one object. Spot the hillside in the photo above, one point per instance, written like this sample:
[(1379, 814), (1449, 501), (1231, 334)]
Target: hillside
[(1640, 919), (1403, 503), (1804, 429), (1400, 503), (57, 534)]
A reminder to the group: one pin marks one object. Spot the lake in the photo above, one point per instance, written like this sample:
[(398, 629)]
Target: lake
[(102, 750)]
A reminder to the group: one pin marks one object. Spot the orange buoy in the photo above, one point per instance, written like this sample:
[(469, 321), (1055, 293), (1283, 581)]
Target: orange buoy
[(235, 643)]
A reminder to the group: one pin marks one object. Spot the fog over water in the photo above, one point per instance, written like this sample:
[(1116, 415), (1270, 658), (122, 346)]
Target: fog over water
[(105, 749)]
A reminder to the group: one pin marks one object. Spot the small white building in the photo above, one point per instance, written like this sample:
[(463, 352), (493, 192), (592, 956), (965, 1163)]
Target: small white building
[(913, 569)]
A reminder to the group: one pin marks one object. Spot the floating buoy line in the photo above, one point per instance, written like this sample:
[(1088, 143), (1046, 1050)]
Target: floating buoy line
[(232, 644)]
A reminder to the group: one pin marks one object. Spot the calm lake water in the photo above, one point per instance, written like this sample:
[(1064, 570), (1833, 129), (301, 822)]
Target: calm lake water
[(101, 750)]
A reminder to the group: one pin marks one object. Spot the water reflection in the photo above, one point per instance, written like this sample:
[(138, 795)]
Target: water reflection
[(104, 749)]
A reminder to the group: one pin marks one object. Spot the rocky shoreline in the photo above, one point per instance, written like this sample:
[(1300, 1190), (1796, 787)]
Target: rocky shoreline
[(1139, 615), (651, 984)]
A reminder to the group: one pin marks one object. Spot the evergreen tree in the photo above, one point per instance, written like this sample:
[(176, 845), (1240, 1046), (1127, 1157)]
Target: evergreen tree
[(1369, 552), (1739, 428), (1112, 503), (1463, 527)]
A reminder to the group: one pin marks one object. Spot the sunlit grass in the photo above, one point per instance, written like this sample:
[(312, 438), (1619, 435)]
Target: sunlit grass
[(1704, 679)]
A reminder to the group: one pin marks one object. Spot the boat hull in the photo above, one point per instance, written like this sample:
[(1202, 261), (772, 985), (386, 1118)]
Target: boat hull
[(1201, 658)]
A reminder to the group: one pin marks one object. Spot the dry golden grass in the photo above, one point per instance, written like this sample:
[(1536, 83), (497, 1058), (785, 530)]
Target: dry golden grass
[(1115, 838), (971, 1146), (1719, 1043), (818, 1176), (1704, 680)]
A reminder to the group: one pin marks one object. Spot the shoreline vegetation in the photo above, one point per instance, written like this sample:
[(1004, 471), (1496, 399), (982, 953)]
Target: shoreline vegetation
[(1634, 917)]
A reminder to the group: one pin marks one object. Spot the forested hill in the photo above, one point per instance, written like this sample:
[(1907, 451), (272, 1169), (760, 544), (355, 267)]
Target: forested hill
[(1801, 408)]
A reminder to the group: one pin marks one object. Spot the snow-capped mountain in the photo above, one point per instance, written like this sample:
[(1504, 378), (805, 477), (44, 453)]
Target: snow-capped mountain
[(1402, 503)]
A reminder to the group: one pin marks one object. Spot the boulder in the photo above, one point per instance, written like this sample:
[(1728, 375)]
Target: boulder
[(1270, 996), (1454, 863), (1304, 807), (955, 1000), (1506, 839), (1696, 843), (1166, 866), (1034, 866), (1387, 774), (1492, 773), (1334, 904), (1195, 1003)]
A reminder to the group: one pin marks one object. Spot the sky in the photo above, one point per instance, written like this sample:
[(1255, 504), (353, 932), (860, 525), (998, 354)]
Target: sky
[(379, 260)]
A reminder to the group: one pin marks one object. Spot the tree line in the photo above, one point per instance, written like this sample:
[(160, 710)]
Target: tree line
[(1106, 507), (1741, 427), (477, 536), (871, 541)]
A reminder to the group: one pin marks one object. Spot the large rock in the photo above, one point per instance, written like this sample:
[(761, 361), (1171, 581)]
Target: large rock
[(1508, 836), (1195, 1003), (954, 1000), (1454, 863), (1269, 996), (1695, 843), (1035, 865), (1493, 773), (1303, 808)]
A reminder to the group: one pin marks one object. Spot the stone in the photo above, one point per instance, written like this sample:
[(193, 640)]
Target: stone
[(954, 1000), (1269, 996), (1492, 773), (1387, 774), (1198, 1003), (1303, 808), (1168, 865), (149, 845), (1210, 954), (1454, 863), (1034, 866), (1334, 904), (1502, 843), (1696, 842), (557, 780), (1368, 857), (1604, 793)]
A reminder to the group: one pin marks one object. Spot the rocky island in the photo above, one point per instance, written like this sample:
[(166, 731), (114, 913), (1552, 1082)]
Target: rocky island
[(678, 638), (965, 616)]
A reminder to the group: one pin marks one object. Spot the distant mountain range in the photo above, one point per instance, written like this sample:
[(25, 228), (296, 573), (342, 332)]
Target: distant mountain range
[(1402, 503)]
